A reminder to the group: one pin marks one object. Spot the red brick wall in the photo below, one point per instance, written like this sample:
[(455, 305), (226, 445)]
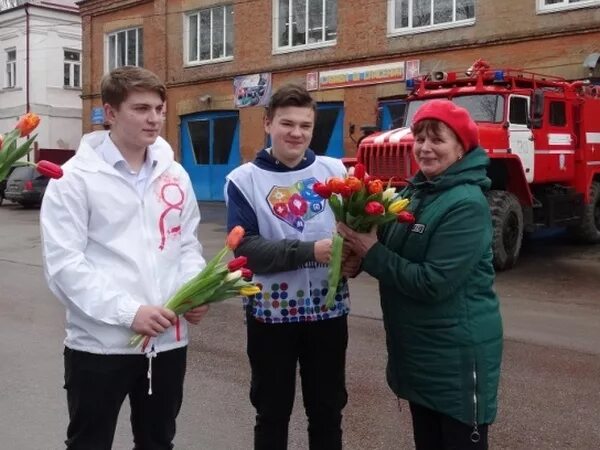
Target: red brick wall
[(508, 33)]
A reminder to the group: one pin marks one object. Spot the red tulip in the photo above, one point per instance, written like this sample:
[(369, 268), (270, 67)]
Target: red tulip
[(374, 209), (246, 274), (234, 237), (49, 169), (405, 217), (322, 190), (27, 123), (360, 171), (345, 191), (336, 184), (1, 141), (237, 263)]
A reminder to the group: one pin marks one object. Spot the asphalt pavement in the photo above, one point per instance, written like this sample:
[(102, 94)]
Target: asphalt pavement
[(550, 385)]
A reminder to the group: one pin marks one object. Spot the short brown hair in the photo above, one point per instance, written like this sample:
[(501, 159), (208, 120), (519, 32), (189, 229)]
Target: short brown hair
[(290, 95), (120, 82), (432, 127)]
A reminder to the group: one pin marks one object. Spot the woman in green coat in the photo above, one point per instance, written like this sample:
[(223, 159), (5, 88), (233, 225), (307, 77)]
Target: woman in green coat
[(440, 311)]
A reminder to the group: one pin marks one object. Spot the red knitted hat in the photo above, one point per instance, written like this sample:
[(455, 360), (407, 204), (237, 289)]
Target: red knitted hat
[(456, 117)]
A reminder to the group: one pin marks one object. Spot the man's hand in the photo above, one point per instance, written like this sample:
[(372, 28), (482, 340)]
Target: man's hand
[(152, 320), (195, 315), (323, 251)]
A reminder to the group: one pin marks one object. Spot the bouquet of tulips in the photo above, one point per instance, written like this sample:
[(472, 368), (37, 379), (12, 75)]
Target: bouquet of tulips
[(216, 282), (10, 152), (361, 202)]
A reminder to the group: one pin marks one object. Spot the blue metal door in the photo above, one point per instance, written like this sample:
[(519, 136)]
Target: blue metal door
[(328, 136), (210, 149)]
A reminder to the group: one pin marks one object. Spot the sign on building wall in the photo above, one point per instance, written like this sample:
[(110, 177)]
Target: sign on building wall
[(412, 68), (360, 76), (252, 90), (312, 81), (97, 115)]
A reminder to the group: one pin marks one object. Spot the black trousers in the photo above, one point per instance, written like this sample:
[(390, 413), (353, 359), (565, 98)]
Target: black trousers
[(97, 386), (274, 351), (437, 431)]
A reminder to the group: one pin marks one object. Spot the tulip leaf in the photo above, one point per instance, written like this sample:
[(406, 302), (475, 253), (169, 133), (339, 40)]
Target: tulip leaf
[(335, 270)]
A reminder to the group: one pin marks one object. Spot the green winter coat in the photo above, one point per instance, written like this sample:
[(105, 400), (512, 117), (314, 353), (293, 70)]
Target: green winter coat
[(441, 314)]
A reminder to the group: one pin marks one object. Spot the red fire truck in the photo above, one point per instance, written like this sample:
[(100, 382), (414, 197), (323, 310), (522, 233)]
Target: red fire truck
[(542, 134)]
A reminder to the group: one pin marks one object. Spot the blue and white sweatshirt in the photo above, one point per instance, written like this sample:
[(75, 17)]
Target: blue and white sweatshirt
[(283, 217)]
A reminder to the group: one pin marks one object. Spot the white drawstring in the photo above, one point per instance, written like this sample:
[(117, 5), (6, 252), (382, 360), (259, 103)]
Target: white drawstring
[(151, 354)]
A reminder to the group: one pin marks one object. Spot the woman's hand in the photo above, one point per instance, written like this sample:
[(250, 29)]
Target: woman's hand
[(360, 243), (351, 265)]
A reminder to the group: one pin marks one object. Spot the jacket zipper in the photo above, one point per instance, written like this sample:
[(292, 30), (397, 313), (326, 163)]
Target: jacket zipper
[(475, 436), (416, 212), (147, 235)]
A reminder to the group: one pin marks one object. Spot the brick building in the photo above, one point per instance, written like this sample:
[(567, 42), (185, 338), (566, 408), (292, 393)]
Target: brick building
[(222, 58)]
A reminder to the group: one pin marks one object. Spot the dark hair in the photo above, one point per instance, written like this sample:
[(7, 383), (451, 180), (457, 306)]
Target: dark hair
[(120, 82), (431, 127), (290, 95)]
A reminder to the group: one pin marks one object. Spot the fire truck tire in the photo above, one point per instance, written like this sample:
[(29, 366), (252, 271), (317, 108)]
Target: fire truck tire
[(507, 221), (589, 229)]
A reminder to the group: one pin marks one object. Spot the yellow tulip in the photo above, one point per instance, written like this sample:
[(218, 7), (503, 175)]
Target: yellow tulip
[(398, 205), (249, 290)]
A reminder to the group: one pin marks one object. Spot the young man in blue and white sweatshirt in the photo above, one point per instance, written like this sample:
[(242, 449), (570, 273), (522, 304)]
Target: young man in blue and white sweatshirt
[(288, 246)]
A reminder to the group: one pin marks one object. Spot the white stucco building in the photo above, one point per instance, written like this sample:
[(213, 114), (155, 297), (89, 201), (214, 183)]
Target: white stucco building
[(40, 69)]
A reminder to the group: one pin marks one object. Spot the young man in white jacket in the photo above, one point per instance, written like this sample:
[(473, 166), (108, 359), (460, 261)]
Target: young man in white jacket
[(119, 238)]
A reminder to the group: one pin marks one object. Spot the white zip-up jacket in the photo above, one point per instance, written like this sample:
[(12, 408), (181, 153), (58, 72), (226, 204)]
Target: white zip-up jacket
[(107, 251)]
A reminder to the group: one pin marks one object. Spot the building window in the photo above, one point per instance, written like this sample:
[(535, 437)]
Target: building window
[(11, 68), (305, 23), (125, 48), (72, 69), (424, 15), (210, 34), (558, 5)]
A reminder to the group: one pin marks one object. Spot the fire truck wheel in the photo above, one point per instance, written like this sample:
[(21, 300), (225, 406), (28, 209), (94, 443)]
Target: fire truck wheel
[(589, 229), (507, 220)]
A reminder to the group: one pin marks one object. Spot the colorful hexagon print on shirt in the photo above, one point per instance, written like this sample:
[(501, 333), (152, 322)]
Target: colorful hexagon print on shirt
[(296, 204)]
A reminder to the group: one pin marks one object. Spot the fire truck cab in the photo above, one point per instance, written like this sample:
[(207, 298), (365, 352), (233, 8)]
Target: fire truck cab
[(542, 134)]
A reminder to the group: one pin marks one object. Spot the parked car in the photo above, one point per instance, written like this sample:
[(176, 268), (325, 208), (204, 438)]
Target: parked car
[(5, 181), (26, 186)]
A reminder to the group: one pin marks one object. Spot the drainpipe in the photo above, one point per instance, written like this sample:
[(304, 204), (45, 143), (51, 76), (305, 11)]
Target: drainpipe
[(27, 105)]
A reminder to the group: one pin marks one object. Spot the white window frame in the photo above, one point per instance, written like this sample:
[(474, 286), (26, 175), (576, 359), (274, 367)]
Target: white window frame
[(392, 31), (564, 5), (139, 44), (10, 71), (187, 31), (308, 46), (72, 64)]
